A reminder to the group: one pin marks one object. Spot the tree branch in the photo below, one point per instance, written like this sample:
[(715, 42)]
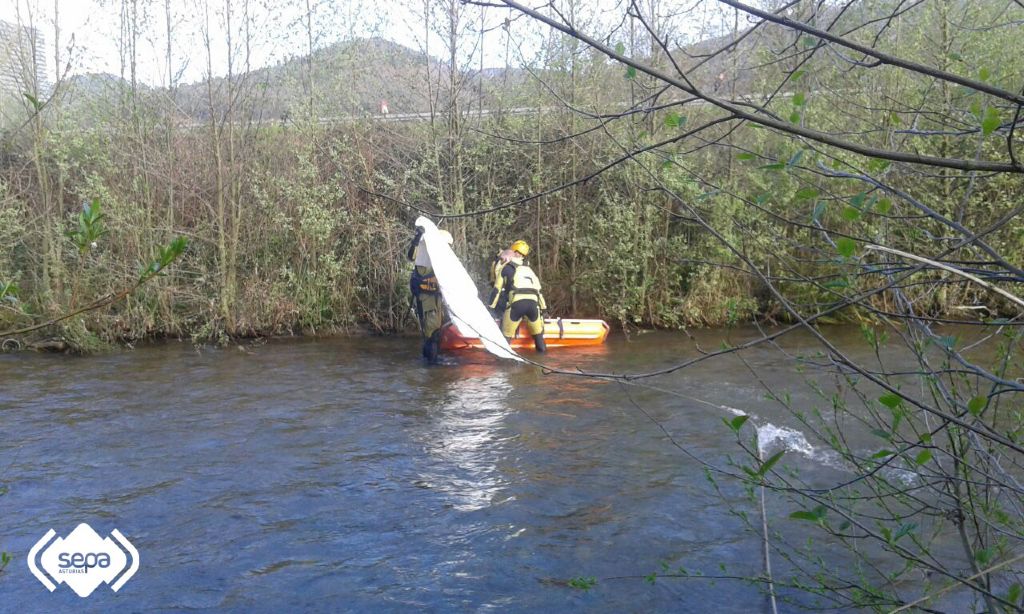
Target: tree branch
[(739, 112)]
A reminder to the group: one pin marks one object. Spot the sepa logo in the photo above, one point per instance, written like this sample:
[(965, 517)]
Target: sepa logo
[(83, 559)]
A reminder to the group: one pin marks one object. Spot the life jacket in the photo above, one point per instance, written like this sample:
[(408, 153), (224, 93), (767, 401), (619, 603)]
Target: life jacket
[(498, 263), (525, 285), (494, 272), (423, 281)]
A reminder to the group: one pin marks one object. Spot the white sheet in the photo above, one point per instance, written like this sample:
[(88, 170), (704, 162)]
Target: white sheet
[(459, 292)]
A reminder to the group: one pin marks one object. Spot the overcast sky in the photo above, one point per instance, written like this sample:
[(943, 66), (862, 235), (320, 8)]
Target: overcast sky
[(91, 37), (90, 32)]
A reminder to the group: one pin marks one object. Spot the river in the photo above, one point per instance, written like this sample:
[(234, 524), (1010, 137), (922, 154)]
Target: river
[(344, 474)]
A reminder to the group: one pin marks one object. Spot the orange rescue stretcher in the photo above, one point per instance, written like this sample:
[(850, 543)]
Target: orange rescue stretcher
[(558, 332)]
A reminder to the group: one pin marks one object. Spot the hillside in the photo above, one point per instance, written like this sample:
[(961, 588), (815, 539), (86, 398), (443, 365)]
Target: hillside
[(348, 78)]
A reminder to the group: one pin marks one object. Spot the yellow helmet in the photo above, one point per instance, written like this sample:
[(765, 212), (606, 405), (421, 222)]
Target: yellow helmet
[(521, 247)]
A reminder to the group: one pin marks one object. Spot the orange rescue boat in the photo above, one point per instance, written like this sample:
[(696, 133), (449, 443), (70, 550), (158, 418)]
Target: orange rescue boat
[(558, 332)]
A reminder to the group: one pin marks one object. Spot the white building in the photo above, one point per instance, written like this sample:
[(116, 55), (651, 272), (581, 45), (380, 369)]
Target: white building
[(21, 60)]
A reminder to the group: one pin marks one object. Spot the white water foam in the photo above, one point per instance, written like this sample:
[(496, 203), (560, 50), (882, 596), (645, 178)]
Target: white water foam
[(770, 436), (896, 474)]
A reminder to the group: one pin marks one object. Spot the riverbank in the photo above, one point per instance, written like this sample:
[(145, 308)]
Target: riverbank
[(59, 344)]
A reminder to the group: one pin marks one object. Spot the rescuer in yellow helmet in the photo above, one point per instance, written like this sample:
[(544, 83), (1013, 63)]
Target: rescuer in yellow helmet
[(427, 295), (497, 264), (516, 294)]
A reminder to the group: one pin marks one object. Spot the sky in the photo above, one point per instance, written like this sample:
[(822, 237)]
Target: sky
[(90, 36), (89, 32)]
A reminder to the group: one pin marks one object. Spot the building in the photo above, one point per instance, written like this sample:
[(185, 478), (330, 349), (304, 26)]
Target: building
[(21, 62)]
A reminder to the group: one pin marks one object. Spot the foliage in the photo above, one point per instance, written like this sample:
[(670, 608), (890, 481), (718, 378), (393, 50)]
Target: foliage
[(89, 229), (759, 176), (584, 583)]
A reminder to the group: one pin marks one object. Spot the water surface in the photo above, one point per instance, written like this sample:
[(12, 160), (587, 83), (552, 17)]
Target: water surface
[(346, 475)]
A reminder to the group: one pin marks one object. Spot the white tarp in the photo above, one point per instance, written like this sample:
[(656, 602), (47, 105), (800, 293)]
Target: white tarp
[(459, 291)]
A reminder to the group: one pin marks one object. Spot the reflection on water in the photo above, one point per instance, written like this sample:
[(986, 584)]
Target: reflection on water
[(464, 432)]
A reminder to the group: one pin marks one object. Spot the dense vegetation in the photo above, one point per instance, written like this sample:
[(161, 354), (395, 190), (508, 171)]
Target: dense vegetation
[(299, 225)]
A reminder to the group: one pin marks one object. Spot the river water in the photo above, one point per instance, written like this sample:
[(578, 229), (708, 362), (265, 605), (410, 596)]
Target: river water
[(344, 474)]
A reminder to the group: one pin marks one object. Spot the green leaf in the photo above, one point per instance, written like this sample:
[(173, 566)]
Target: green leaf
[(35, 102), (809, 41), (583, 583), (984, 556), (983, 74), (977, 404), (675, 120), (8, 289), (897, 417), (794, 117), (797, 74), (858, 200), (846, 247), (778, 166), (878, 165), (620, 48), (881, 434), (948, 341), (953, 55), (976, 109), (736, 423), (904, 530), (819, 209), (806, 193), (923, 457), (851, 213), (1013, 595), (815, 515), (799, 99), (837, 283), (882, 454), (796, 158), (883, 206), (167, 255), (745, 156), (991, 121), (890, 400), (631, 72), (768, 464)]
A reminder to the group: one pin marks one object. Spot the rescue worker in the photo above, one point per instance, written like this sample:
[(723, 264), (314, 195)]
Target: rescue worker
[(493, 273), (498, 263), (516, 294), (427, 295)]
